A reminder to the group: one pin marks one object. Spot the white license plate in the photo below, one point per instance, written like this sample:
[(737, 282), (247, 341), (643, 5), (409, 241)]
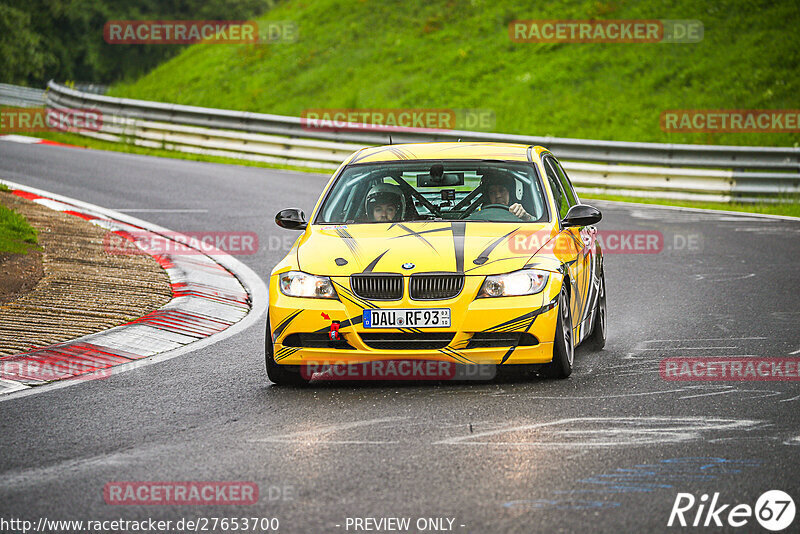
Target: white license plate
[(407, 318)]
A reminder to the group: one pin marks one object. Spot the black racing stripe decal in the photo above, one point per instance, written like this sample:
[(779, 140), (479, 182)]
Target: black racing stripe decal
[(352, 321), (578, 303), (454, 352), (488, 250), (507, 354), (454, 355), (367, 153), (513, 347), (415, 234), (350, 241), (374, 262), (518, 321), (401, 153), (406, 151), (441, 229), (280, 355), (459, 228), (532, 265), (462, 344), (491, 262), (511, 327), (355, 299), (515, 320), (460, 146), (283, 324)]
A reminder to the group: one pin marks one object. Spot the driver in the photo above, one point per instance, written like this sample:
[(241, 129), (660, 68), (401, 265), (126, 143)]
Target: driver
[(385, 202), (497, 190)]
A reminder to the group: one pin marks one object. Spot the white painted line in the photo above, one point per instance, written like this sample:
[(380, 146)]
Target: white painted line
[(790, 400), (24, 139), (251, 281), (688, 348), (594, 397), (731, 390), (612, 432), (795, 352), (701, 339), (7, 386), (310, 435), (723, 277), (160, 210)]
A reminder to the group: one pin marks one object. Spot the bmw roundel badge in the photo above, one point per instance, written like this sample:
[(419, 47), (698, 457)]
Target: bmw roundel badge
[(408, 266)]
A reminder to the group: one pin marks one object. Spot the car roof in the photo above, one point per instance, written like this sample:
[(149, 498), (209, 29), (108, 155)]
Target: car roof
[(439, 151)]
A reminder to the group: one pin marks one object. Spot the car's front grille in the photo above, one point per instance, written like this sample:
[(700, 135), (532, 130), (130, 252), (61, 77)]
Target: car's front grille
[(314, 340), (435, 286), (484, 340), (377, 286), (399, 341)]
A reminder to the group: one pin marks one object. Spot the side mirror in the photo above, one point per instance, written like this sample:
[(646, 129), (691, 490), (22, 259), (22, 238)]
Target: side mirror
[(582, 215), (291, 219)]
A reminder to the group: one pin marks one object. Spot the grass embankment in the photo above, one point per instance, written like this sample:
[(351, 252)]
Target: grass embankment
[(449, 54), (16, 235)]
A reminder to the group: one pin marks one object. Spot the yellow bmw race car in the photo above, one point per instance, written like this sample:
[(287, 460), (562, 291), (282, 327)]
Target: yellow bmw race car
[(466, 253)]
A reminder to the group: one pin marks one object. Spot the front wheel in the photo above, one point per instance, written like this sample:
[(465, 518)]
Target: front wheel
[(281, 375), (563, 345)]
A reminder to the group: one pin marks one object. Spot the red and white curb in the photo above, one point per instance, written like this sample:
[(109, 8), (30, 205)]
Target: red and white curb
[(214, 297), (26, 140)]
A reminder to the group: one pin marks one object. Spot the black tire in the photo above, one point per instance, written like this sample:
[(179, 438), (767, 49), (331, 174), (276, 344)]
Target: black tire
[(281, 375), (564, 343), (597, 339)]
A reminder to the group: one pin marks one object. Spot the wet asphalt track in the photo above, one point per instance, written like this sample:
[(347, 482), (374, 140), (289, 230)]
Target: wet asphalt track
[(597, 452)]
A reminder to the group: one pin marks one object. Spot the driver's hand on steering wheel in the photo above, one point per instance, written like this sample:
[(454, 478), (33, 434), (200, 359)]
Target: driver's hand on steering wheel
[(520, 212)]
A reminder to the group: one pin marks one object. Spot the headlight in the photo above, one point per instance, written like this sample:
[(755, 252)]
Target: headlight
[(299, 284), (513, 284)]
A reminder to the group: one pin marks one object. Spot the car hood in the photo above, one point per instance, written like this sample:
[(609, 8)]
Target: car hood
[(475, 248)]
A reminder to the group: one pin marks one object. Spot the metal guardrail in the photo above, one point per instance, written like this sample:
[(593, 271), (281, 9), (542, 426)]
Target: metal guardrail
[(719, 173), (17, 96)]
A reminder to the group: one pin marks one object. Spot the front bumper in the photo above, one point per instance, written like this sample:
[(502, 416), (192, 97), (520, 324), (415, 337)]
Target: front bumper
[(300, 327)]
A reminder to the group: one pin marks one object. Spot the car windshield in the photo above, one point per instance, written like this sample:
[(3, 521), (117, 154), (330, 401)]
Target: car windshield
[(435, 190)]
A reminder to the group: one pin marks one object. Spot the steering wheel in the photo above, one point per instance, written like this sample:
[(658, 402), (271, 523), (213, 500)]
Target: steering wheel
[(497, 206)]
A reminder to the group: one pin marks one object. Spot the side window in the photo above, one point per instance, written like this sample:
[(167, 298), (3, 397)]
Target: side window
[(562, 202), (566, 184)]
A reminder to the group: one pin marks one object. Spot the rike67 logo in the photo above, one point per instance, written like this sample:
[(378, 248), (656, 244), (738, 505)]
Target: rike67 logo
[(774, 510)]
